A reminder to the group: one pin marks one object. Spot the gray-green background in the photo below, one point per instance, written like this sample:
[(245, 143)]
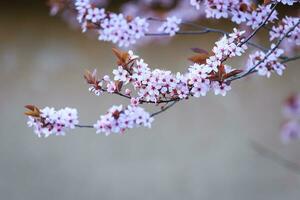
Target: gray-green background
[(200, 149)]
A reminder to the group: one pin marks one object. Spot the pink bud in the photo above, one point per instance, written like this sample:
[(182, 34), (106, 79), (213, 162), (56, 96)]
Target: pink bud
[(128, 92)]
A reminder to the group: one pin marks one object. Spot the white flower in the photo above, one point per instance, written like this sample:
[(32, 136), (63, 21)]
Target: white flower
[(288, 2), (265, 65), (290, 131), (213, 62), (284, 27), (82, 4), (117, 120), (52, 122), (120, 74), (199, 89), (135, 101), (220, 88), (195, 3), (238, 16), (95, 14), (171, 26), (70, 117), (48, 114), (111, 87)]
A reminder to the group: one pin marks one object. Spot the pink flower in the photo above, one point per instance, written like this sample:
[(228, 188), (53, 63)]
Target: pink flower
[(135, 101), (120, 74), (52, 122), (95, 14), (118, 119), (221, 88), (171, 26)]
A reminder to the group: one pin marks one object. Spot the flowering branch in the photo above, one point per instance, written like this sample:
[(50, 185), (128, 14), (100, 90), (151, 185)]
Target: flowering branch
[(152, 115), (134, 80), (126, 30), (254, 68), (261, 25), (164, 108)]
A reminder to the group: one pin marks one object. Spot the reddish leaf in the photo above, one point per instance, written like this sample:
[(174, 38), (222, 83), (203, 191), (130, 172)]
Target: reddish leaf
[(267, 1), (33, 111), (119, 85), (233, 73), (200, 58), (243, 7), (123, 57), (90, 77), (198, 50)]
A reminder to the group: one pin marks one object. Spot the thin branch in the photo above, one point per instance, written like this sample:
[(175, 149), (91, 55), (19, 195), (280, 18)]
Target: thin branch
[(164, 109), (291, 59), (252, 70), (152, 115), (204, 30), (260, 26), (84, 126), (142, 101), (267, 153), (181, 33), (254, 32), (211, 30)]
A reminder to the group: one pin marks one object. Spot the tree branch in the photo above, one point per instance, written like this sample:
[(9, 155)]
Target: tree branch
[(164, 109), (291, 59), (260, 26), (205, 30), (263, 151), (152, 115), (84, 126), (252, 70)]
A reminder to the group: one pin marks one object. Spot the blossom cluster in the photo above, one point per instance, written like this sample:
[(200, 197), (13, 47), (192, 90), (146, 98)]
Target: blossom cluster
[(170, 26), (287, 2), (118, 28), (291, 110), (118, 119), (49, 121), (161, 86), (266, 62), (239, 11), (229, 46), (111, 27), (135, 80), (284, 27)]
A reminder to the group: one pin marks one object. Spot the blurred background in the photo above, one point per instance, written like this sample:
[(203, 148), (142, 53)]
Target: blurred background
[(200, 149)]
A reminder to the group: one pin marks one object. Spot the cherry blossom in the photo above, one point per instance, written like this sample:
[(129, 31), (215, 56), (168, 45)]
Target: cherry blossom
[(288, 2), (156, 85), (95, 14), (286, 24), (48, 121), (171, 26), (111, 26), (196, 3), (117, 119), (290, 130), (120, 74), (291, 108), (270, 63), (239, 11), (140, 83), (221, 88)]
